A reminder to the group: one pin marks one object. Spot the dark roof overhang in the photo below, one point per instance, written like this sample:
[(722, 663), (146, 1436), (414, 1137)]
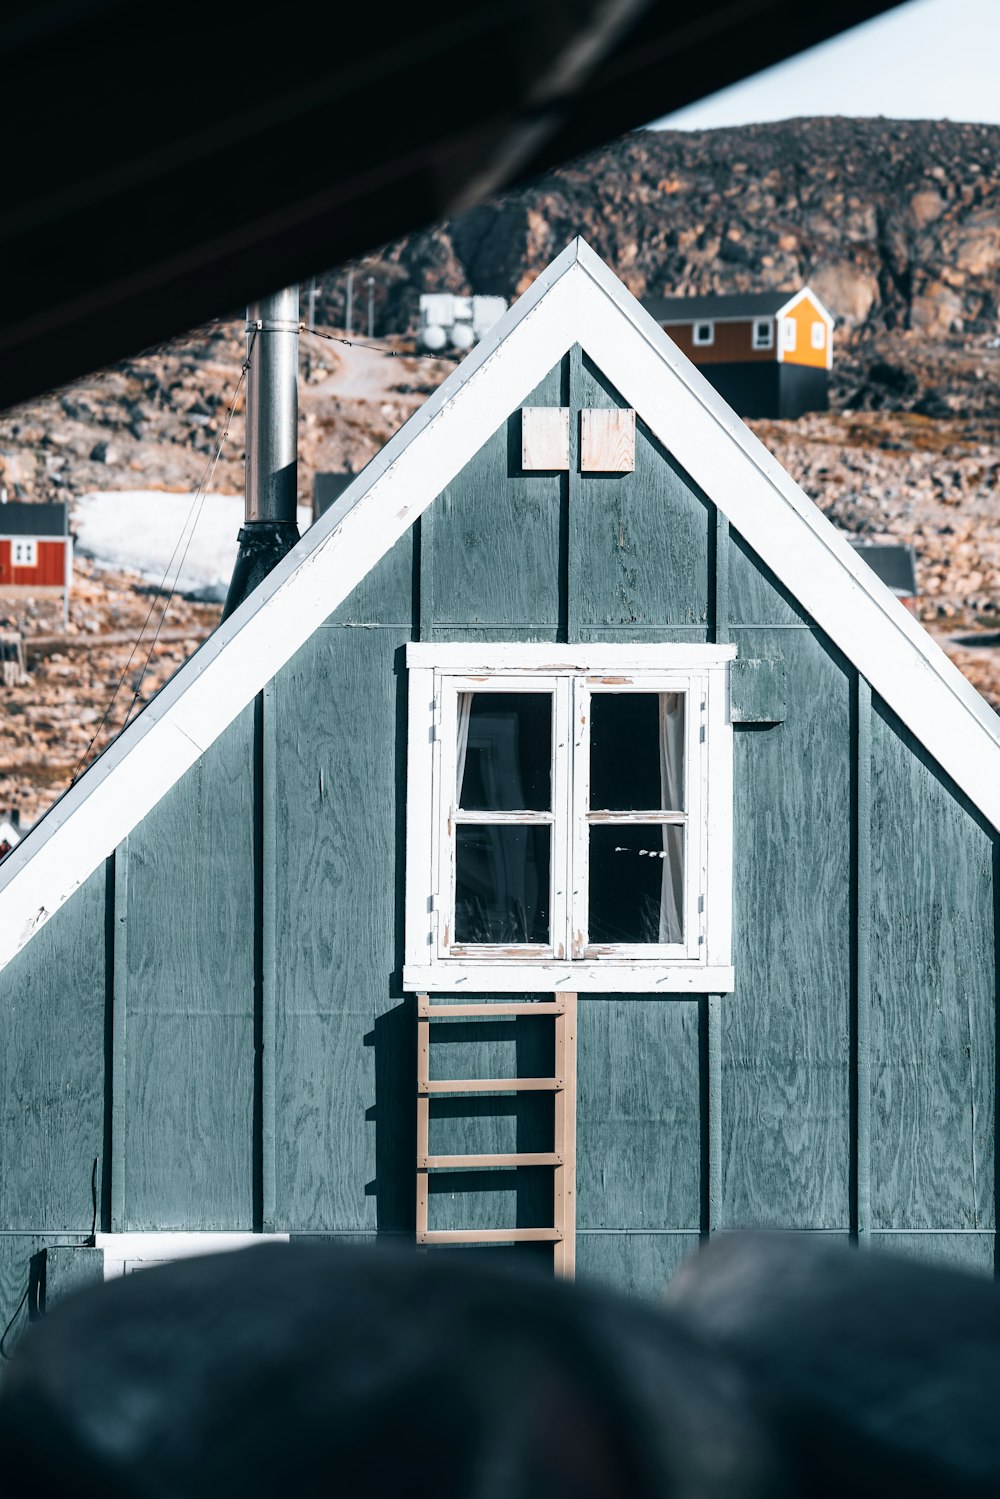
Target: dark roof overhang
[(171, 161)]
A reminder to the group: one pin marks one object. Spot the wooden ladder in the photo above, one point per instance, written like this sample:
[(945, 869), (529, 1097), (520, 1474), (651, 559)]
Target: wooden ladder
[(562, 1156)]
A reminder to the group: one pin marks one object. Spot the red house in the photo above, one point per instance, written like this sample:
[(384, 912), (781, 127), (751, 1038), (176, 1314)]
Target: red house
[(36, 549)]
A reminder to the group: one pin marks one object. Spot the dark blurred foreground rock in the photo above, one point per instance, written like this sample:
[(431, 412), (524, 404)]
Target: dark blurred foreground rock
[(296, 1371), (875, 1375), (781, 1367)]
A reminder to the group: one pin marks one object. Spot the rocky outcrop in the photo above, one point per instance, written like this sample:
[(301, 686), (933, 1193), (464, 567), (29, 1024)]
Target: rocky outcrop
[(897, 224)]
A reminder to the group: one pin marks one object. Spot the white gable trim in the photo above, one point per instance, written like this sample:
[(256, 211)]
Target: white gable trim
[(576, 300), (801, 296)]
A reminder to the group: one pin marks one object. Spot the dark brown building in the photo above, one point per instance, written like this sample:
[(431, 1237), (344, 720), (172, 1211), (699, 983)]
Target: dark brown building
[(767, 353)]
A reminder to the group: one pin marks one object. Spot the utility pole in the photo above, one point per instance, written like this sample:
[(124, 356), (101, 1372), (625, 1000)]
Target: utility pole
[(371, 306), (269, 529), (349, 314), (312, 306)]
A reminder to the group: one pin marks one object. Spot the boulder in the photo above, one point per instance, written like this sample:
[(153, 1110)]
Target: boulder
[(849, 290), (879, 1376), (306, 1370)]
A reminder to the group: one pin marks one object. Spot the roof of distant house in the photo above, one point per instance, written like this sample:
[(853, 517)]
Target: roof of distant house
[(893, 562), (25, 518), (742, 305)]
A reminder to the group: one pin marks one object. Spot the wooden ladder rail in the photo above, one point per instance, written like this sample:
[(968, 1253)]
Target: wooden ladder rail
[(562, 1157)]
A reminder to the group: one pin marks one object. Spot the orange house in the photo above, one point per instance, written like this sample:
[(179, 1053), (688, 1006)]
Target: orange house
[(36, 549), (767, 353)]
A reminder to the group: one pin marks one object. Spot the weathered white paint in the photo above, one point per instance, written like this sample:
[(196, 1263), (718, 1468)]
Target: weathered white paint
[(589, 977), (576, 300), (552, 658), (570, 675)]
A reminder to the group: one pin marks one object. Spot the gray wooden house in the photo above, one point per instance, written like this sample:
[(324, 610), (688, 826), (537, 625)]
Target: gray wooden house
[(574, 714)]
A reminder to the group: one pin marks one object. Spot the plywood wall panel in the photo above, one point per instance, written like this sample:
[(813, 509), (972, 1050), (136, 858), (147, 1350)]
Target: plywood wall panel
[(16, 1251), (754, 594), (638, 1118), (973, 1253), (189, 1137), (639, 541), (187, 997), (339, 746), (634, 1264), (491, 541), (385, 595), (52, 1041), (786, 1133), (933, 988)]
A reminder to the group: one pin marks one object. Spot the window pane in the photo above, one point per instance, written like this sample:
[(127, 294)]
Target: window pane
[(637, 751), (505, 751), (637, 883), (501, 883)]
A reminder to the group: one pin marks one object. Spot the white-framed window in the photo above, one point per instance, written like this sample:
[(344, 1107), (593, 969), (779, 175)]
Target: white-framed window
[(818, 334), (704, 334), (125, 1253), (569, 818), (24, 552), (788, 334), (763, 333)]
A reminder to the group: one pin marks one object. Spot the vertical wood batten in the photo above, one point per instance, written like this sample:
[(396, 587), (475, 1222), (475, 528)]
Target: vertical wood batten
[(107, 1152), (933, 987), (719, 566), (119, 1102), (570, 610), (719, 572), (862, 963), (268, 955), (996, 1050), (424, 569), (713, 1041)]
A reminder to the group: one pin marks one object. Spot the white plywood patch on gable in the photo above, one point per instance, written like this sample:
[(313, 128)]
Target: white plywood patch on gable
[(545, 437), (607, 441)]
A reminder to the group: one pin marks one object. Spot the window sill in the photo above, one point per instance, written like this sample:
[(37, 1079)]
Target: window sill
[(604, 977)]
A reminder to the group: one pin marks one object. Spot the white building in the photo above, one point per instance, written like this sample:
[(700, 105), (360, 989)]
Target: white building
[(456, 322)]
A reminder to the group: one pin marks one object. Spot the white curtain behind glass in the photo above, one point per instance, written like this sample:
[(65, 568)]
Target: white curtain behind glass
[(672, 800), (464, 715)]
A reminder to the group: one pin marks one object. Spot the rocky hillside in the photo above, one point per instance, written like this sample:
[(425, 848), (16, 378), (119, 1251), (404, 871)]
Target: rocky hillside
[(895, 223)]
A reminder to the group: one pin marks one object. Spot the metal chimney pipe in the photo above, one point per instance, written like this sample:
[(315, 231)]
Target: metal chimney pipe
[(272, 408)]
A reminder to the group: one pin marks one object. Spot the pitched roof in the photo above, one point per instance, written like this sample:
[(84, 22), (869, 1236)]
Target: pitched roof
[(576, 300), (731, 309), (20, 518), (741, 305)]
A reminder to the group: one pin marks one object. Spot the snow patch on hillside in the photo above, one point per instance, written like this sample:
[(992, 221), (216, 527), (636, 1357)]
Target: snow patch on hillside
[(145, 530)]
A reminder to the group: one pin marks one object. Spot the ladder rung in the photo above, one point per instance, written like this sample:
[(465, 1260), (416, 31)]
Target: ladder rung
[(427, 1011), (490, 1085), (474, 1162), (489, 1236)]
